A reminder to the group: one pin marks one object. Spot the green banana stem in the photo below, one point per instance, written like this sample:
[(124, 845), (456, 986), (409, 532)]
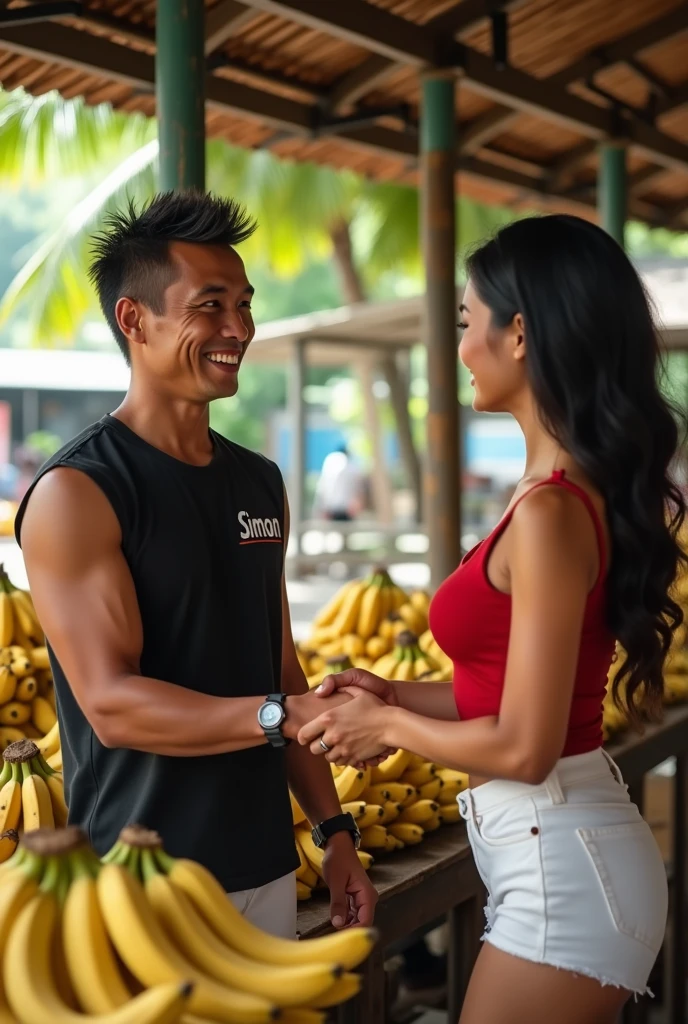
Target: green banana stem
[(133, 862), (6, 773), (16, 773), (41, 767), (149, 867), (164, 861), (113, 852), (82, 864), (52, 870)]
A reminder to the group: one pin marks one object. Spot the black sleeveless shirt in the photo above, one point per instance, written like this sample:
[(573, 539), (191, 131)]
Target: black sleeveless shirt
[(205, 548)]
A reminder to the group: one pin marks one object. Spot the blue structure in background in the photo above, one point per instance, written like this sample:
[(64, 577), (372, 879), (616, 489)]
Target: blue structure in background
[(319, 443)]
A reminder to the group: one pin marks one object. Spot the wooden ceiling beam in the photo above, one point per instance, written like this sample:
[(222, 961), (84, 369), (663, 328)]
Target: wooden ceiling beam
[(225, 20), (64, 45)]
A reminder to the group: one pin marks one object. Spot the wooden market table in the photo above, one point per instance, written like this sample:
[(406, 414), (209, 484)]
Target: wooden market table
[(422, 886)]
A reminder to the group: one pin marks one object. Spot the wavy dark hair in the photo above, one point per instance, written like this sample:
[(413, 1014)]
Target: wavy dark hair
[(594, 364)]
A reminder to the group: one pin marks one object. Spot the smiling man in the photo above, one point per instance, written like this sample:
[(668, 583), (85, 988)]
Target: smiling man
[(155, 552)]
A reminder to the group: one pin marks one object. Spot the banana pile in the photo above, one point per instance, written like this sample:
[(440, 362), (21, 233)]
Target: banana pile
[(27, 700), (31, 794), (373, 624), (141, 938), (394, 804)]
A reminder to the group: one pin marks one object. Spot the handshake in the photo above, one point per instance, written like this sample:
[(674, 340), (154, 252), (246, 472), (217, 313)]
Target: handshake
[(346, 719)]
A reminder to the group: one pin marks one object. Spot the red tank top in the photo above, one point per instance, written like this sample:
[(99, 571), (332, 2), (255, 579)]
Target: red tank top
[(470, 620)]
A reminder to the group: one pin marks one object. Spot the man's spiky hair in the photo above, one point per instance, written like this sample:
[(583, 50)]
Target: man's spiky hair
[(131, 255)]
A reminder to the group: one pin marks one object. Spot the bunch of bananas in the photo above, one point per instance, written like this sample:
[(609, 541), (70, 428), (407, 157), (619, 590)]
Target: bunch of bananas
[(27, 701), (394, 805), (141, 938), (363, 623), (31, 794)]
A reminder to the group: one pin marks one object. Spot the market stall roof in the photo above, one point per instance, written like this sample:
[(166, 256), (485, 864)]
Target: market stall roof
[(541, 83)]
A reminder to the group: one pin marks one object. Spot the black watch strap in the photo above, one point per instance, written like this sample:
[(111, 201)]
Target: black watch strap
[(276, 737), (339, 823)]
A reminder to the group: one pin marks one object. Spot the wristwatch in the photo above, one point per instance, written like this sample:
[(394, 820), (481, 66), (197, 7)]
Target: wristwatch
[(271, 716), (339, 823)]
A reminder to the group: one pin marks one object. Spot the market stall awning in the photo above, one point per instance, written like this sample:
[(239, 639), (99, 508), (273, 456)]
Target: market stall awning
[(540, 84)]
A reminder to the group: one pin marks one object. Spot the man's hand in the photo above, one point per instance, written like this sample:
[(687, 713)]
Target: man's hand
[(302, 708), (351, 733), (352, 894), (358, 677)]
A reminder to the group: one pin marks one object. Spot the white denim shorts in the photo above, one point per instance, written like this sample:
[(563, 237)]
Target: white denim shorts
[(573, 873)]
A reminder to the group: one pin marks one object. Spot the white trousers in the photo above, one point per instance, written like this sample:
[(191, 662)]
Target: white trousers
[(271, 907)]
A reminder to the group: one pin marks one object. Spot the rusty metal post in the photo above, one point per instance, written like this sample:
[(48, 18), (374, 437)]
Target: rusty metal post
[(442, 470), (180, 88)]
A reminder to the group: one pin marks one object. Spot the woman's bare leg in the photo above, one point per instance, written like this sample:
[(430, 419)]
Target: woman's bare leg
[(506, 989)]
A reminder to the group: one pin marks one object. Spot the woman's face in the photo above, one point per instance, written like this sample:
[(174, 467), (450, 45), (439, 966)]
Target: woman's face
[(494, 356)]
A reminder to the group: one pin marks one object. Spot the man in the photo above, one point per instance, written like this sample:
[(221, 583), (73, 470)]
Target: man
[(339, 490), (155, 552)]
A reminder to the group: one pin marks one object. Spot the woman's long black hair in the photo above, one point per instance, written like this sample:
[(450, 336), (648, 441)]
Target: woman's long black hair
[(593, 361)]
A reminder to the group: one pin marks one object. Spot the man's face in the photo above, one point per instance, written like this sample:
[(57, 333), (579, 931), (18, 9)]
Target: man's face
[(195, 348)]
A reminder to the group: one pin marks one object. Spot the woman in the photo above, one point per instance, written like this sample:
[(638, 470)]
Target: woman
[(556, 331)]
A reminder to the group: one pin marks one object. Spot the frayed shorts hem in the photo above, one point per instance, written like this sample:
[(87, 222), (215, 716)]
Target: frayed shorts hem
[(577, 969)]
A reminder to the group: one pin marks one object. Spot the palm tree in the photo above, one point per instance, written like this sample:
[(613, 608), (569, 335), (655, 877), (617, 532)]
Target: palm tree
[(304, 210)]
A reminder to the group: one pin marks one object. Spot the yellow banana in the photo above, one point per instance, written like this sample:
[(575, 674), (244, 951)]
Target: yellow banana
[(42, 714), (416, 622), (371, 816), (404, 671), (417, 761), (347, 616), (91, 963), (355, 808), (32, 990), (420, 599), (11, 800), (344, 988), (374, 837), (424, 665), (328, 614), (392, 768), (449, 793), (9, 735), (301, 1015), (50, 743), (313, 854), (20, 666), (6, 619), (365, 859), (150, 956), (449, 813), (297, 814), (15, 713), (419, 776), (25, 690), (303, 892), (348, 948), (37, 808), (420, 812), (383, 791), (431, 790), (351, 783), (53, 781), (385, 667), (376, 647), (25, 616), (285, 986), (39, 658), (369, 612), (55, 760), (409, 834), (8, 682), (391, 812), (353, 646), (399, 597), (305, 872), (452, 775), (432, 823)]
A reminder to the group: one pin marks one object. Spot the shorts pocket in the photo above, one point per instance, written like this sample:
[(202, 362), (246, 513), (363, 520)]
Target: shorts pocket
[(509, 825), (629, 867)]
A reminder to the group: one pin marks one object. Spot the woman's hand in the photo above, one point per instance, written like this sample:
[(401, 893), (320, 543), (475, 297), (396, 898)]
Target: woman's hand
[(362, 680), (352, 732)]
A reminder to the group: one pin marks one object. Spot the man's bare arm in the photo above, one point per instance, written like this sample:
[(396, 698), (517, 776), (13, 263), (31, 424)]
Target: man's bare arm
[(85, 598)]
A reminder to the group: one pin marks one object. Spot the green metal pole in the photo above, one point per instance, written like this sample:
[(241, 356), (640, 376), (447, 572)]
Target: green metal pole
[(442, 471), (612, 189), (180, 87)]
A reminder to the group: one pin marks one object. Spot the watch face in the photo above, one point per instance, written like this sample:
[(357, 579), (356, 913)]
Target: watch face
[(271, 715)]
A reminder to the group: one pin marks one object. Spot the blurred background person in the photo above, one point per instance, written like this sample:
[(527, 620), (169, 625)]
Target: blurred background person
[(339, 494)]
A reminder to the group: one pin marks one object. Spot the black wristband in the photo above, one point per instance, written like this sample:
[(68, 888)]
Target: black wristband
[(339, 823)]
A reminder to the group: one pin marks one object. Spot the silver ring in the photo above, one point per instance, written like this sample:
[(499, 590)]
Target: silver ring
[(324, 745)]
